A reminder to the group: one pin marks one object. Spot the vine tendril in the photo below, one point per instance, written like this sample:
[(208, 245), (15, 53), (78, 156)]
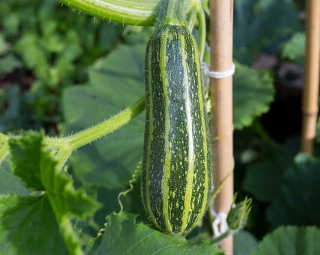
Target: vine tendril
[(133, 180)]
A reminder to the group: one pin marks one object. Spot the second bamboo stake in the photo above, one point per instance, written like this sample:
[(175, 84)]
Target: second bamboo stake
[(311, 84)]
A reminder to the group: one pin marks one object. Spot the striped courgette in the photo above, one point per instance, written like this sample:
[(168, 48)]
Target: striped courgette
[(176, 171)]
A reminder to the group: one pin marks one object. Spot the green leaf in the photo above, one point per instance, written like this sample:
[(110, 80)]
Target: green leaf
[(27, 226), (294, 49), (261, 174), (36, 168), (9, 182), (115, 83), (244, 243), (298, 203), (290, 240), (253, 92), (262, 25), (35, 57), (123, 236), (63, 197), (9, 63), (4, 46), (26, 160), (263, 178)]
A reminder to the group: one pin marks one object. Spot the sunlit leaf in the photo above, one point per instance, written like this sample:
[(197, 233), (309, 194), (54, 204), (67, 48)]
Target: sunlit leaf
[(123, 236), (47, 212)]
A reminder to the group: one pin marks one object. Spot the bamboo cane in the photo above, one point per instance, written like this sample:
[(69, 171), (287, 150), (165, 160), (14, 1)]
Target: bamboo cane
[(221, 27), (311, 84)]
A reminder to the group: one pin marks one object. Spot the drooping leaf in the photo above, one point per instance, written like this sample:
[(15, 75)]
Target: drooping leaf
[(290, 240), (253, 92), (298, 203), (123, 236)]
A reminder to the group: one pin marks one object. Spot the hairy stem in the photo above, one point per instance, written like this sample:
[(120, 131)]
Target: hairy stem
[(91, 134), (62, 156), (137, 12), (68, 144)]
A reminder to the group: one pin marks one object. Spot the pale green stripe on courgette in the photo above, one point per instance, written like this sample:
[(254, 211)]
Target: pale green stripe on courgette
[(191, 157), (167, 160)]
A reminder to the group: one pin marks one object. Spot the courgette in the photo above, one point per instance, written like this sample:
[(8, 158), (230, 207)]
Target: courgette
[(176, 170)]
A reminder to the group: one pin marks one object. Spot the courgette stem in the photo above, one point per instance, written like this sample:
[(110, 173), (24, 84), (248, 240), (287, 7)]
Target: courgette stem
[(91, 134), (173, 12), (137, 12), (66, 145)]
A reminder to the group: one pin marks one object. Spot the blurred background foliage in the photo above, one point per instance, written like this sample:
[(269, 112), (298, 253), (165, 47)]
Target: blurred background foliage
[(62, 71)]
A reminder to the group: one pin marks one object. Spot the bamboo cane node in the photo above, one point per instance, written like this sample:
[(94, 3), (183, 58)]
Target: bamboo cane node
[(227, 135), (310, 113)]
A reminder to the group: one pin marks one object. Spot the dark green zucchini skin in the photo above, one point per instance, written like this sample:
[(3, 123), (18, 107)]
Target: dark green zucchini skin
[(176, 170)]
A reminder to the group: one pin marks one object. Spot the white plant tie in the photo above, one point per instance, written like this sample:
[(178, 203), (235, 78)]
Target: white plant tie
[(217, 75), (219, 225)]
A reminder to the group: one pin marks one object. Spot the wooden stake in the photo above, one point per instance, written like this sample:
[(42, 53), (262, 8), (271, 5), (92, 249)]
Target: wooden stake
[(311, 84), (221, 26)]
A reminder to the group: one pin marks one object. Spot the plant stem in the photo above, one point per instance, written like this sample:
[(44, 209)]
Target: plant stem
[(223, 236), (63, 156), (137, 12), (67, 145), (213, 240), (91, 134), (173, 12)]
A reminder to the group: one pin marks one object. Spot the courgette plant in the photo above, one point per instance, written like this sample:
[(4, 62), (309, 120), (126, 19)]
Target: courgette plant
[(176, 166)]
